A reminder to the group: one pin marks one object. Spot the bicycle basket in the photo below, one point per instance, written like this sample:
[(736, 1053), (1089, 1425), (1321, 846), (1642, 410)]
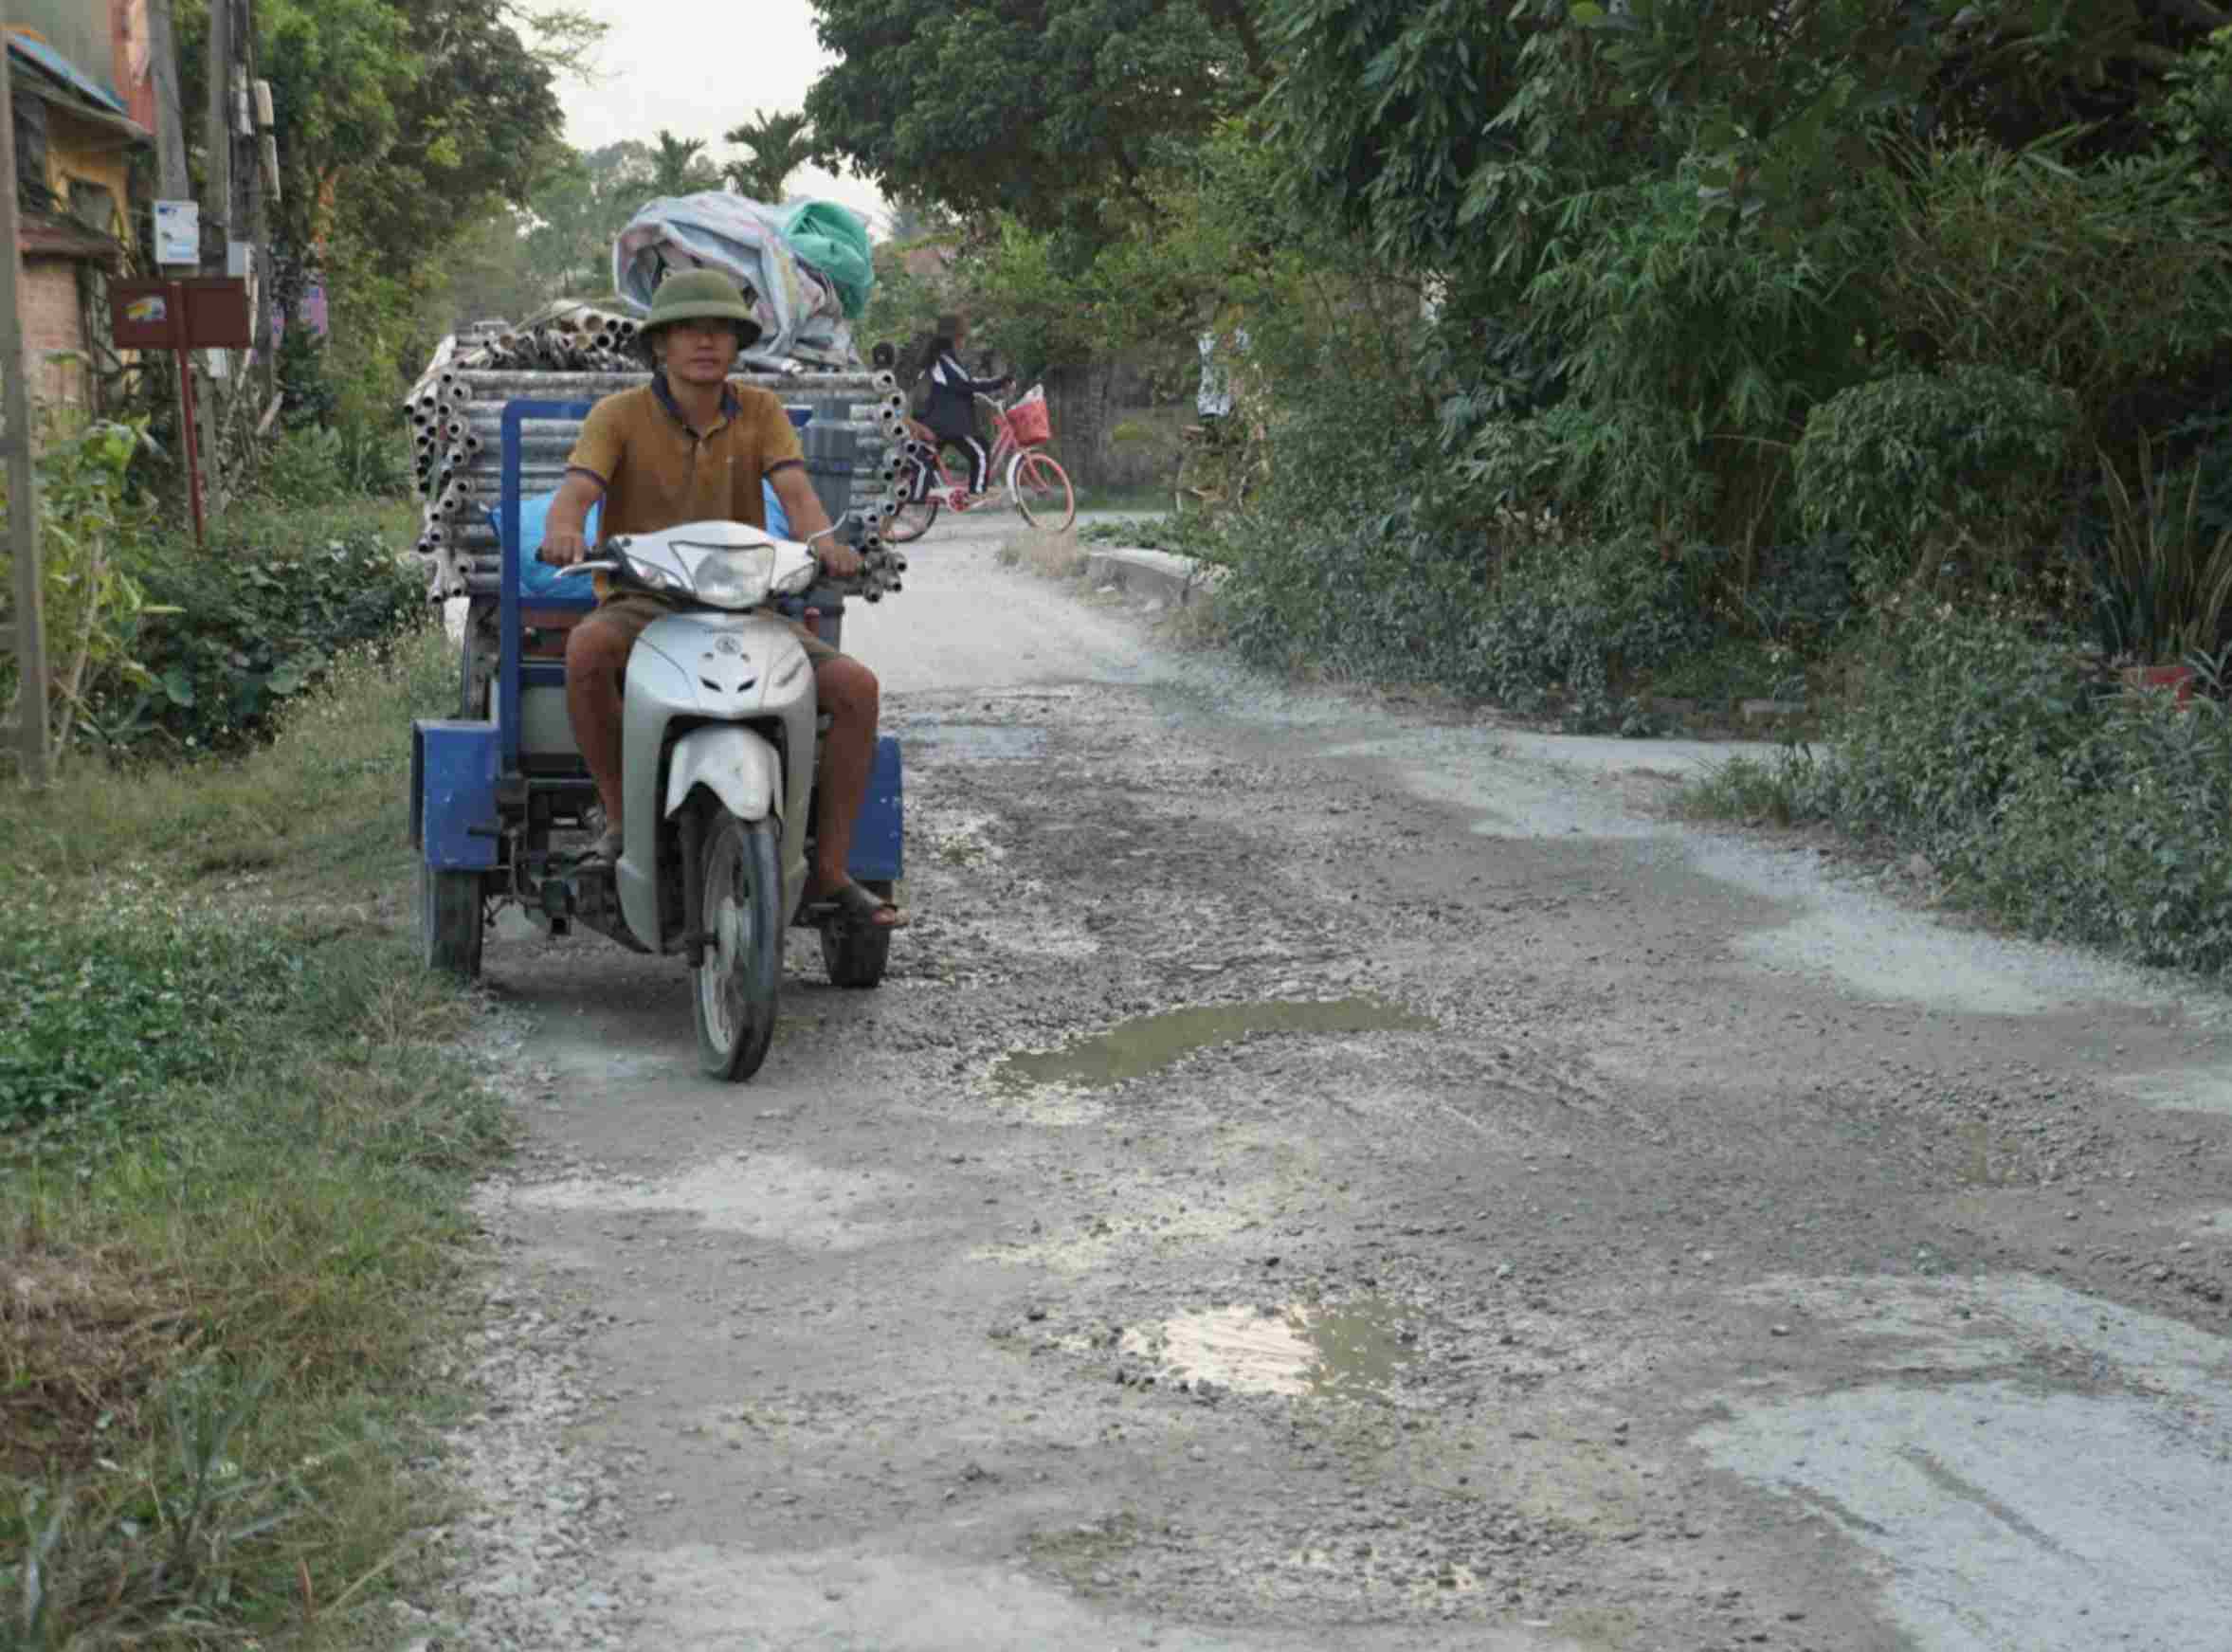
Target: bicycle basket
[(1028, 420)]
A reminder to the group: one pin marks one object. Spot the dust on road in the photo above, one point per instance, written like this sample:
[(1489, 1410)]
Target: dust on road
[(1316, 1177)]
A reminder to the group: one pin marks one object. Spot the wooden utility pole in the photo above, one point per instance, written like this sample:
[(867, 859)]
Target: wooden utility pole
[(216, 204), (26, 637), (217, 135), (162, 44)]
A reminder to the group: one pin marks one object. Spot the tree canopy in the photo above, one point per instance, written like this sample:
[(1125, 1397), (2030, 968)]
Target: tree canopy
[(580, 210), (403, 121), (1043, 109), (1421, 125)]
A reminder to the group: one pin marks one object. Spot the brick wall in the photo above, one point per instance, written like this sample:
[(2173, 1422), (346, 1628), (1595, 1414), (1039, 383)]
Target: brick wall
[(53, 321)]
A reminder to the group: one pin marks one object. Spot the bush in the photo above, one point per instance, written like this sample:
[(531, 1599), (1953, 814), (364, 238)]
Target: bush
[(2161, 581), (2044, 794), (1699, 346), (2109, 280), (256, 622), (95, 530), (1942, 713), (322, 466), (2120, 838), (1581, 624), (1922, 468)]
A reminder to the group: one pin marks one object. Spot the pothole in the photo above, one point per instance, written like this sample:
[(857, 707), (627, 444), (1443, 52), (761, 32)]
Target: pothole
[(772, 1196), (1148, 1043), (1357, 1348)]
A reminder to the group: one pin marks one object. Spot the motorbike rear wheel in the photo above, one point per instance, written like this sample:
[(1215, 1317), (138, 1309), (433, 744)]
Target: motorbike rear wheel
[(451, 922), (742, 971), (854, 956)]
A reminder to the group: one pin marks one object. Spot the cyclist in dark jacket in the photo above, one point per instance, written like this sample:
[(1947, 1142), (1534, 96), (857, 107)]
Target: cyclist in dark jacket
[(951, 410)]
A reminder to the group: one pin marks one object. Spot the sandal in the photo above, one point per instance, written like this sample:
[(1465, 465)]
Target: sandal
[(854, 907)]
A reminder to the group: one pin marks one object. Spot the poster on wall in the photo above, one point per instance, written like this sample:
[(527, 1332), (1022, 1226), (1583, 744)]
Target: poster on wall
[(309, 312), (178, 232)]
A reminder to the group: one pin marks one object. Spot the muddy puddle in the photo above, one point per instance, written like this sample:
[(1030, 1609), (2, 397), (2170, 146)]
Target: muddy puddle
[(1352, 1350), (1147, 1045)]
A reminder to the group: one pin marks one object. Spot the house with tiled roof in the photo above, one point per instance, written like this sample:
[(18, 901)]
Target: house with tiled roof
[(83, 94)]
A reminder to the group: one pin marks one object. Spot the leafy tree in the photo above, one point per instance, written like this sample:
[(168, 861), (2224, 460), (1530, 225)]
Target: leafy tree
[(403, 119), (1423, 125), (579, 211), (401, 124), (914, 218), (679, 166), (1045, 109), (486, 272), (778, 148)]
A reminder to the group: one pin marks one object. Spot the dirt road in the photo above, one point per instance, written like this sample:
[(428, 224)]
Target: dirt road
[(1318, 1178)]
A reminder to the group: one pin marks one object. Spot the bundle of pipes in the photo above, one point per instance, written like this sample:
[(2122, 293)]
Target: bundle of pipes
[(456, 410)]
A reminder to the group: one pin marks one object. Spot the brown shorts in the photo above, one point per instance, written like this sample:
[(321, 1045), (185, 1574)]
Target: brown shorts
[(631, 614)]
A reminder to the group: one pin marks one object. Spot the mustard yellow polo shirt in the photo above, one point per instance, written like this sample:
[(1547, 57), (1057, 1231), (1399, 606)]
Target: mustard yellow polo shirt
[(657, 471)]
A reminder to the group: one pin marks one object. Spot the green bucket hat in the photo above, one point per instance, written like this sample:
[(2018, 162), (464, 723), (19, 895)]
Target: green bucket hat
[(696, 295)]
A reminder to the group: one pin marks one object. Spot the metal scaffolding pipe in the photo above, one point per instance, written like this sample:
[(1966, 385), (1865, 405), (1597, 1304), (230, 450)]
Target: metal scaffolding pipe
[(491, 384)]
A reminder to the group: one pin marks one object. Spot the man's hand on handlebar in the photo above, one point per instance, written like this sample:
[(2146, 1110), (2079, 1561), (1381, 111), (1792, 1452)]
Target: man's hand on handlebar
[(562, 550), (839, 560)]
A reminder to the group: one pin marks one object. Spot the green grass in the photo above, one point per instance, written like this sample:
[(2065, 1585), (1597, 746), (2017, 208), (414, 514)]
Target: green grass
[(234, 1145), (260, 522), (1140, 500), (1744, 789)]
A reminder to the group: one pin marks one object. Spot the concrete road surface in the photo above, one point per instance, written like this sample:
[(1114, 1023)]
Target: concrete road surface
[(1319, 1175)]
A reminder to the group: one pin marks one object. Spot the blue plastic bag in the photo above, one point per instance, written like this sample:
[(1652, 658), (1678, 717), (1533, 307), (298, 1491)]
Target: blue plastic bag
[(537, 578)]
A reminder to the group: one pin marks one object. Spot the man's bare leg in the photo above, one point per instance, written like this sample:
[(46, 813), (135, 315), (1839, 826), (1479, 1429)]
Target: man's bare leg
[(847, 691), (596, 654)]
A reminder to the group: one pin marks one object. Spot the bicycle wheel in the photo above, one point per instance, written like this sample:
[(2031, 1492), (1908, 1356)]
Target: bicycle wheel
[(915, 515), (1041, 492)]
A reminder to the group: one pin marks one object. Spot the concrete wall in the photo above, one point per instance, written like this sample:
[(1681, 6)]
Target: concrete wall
[(1110, 429)]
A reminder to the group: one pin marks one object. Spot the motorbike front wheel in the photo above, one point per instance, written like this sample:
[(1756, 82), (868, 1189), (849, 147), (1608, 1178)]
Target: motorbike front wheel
[(741, 881)]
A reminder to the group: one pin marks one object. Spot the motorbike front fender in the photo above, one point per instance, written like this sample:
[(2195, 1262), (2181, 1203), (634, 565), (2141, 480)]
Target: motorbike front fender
[(737, 765)]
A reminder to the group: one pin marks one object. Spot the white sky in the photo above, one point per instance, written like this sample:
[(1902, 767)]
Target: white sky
[(697, 69)]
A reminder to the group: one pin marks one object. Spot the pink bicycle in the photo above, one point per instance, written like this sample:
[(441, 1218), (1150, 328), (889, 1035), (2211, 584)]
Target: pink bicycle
[(1036, 484)]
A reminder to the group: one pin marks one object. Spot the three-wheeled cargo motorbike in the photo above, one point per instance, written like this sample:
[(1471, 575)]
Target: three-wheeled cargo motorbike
[(720, 738)]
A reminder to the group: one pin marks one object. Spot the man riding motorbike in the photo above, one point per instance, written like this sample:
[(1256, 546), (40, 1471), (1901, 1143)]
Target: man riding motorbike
[(691, 447)]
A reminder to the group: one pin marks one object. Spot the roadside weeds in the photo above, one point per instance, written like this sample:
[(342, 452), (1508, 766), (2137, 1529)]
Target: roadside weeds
[(235, 1145)]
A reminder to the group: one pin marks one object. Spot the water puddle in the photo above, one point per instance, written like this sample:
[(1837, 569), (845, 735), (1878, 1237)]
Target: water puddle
[(1136, 1048), (1328, 1353)]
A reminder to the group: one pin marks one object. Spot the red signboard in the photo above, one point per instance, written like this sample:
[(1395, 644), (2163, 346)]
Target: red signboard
[(217, 313), (199, 313)]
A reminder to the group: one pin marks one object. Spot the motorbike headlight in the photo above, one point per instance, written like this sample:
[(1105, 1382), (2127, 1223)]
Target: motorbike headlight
[(735, 579)]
